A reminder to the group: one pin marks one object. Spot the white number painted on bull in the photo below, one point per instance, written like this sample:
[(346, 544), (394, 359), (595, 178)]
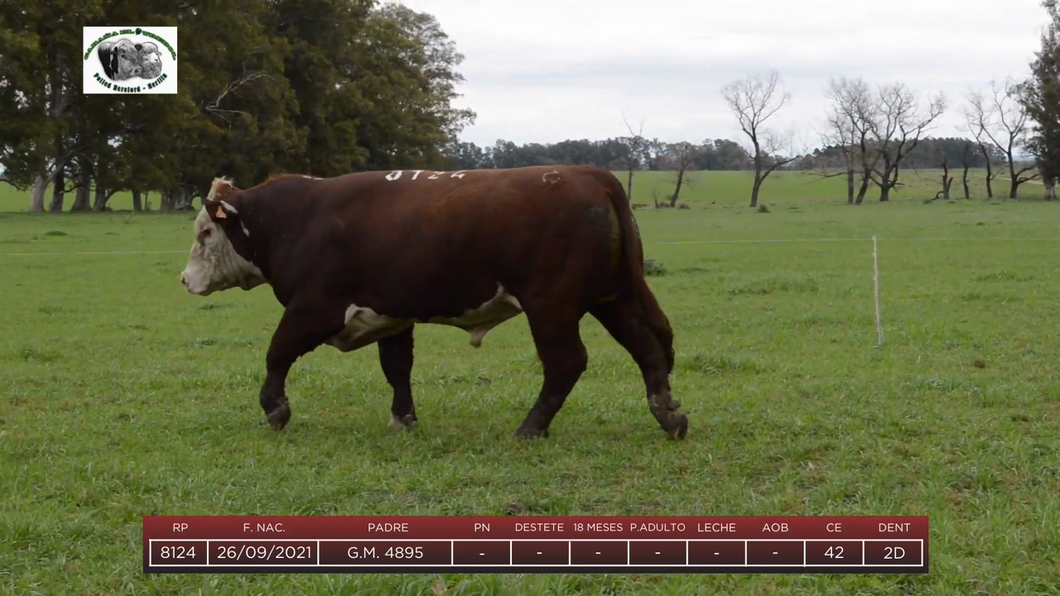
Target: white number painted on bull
[(397, 174)]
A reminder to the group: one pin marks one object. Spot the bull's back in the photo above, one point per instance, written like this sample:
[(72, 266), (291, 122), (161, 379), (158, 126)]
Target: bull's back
[(474, 188), (490, 210), (459, 234)]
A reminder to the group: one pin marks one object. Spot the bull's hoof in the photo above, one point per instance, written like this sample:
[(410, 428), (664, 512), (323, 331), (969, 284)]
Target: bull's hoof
[(677, 427), (531, 433), (279, 417), (404, 422)]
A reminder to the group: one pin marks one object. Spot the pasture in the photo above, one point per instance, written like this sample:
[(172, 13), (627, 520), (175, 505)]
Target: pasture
[(123, 397)]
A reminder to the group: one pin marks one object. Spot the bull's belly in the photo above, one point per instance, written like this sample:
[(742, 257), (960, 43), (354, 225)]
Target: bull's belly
[(364, 326)]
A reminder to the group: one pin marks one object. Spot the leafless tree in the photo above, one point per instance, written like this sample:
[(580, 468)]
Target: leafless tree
[(977, 117), (847, 127), (966, 163), (947, 180), (997, 116), (899, 124), (754, 100), (838, 133), (974, 117), (682, 156), (636, 145)]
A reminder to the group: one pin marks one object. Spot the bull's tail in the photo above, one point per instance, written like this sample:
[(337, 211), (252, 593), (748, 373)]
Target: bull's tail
[(633, 252)]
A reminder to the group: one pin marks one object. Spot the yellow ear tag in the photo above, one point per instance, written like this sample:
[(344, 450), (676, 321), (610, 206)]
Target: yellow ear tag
[(221, 213)]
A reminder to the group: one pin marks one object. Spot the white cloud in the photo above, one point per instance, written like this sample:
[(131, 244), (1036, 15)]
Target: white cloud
[(552, 70)]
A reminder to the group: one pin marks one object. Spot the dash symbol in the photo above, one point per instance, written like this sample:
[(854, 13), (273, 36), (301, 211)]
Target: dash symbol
[(597, 552), (774, 552), (659, 553)]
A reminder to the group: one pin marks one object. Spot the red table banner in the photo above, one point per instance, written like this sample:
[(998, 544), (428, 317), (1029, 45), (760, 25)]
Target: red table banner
[(238, 544)]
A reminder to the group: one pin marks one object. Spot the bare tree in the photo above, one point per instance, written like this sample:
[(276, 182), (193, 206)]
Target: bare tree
[(977, 118), (999, 116), (754, 100), (897, 130), (847, 128), (682, 155), (839, 133), (636, 145), (947, 180), (867, 115), (966, 163)]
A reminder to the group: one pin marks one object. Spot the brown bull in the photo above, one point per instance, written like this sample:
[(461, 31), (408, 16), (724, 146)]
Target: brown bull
[(361, 258)]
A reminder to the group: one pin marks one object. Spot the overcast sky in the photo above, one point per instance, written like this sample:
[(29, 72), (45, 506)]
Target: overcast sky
[(549, 70)]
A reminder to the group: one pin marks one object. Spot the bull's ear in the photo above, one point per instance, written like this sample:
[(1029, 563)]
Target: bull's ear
[(225, 213), (221, 211)]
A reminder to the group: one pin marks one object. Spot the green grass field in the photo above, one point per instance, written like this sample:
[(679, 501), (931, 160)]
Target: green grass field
[(123, 396)]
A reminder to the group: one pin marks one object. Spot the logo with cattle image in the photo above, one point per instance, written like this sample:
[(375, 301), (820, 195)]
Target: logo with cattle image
[(130, 60)]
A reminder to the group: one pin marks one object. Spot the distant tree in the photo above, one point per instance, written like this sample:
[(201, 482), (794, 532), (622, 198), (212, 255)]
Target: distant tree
[(999, 115), (944, 163), (974, 114), (897, 130), (754, 100), (1041, 100), (967, 158), (635, 147), (721, 154), (39, 87), (847, 129), (681, 158), (466, 156), (654, 154)]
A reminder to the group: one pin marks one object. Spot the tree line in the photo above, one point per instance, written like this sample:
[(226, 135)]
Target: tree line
[(708, 155), (322, 87)]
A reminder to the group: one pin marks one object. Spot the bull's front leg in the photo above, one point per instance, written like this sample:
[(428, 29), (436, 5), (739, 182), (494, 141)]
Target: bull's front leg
[(395, 357), (303, 327)]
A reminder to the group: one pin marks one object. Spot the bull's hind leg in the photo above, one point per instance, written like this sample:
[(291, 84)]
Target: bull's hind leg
[(395, 357), (625, 321), (564, 359)]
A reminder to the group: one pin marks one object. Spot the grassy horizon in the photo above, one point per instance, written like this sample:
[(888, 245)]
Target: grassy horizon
[(703, 187)]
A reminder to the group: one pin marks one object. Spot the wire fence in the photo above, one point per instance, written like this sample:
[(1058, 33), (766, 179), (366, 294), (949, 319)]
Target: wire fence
[(861, 239)]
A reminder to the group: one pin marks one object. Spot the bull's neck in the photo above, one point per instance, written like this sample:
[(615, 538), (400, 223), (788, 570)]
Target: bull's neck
[(254, 246)]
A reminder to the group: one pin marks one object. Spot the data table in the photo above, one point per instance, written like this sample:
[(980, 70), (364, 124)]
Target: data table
[(536, 544)]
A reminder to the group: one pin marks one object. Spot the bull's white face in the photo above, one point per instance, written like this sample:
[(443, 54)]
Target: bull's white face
[(214, 265)]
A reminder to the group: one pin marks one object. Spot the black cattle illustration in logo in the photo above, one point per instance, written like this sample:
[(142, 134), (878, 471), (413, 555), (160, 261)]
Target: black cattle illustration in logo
[(122, 59)]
